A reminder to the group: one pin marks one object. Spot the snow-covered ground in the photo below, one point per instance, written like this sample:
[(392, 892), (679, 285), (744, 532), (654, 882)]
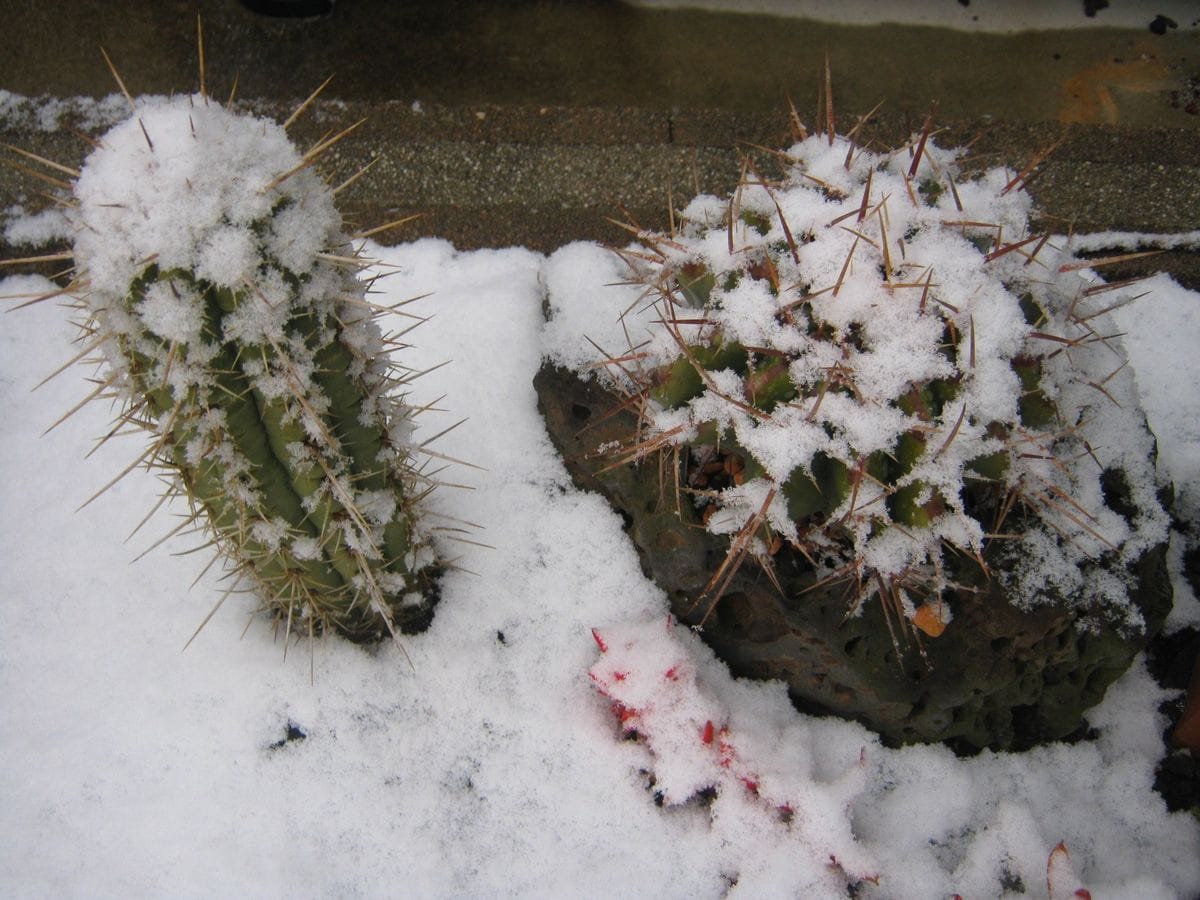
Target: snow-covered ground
[(492, 765)]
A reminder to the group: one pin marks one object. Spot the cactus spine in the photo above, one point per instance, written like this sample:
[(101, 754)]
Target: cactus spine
[(225, 298)]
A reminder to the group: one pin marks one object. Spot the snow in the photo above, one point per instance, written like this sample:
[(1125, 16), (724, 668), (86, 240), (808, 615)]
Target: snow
[(481, 759), (50, 113), (185, 183), (492, 766), (22, 230), (1166, 310)]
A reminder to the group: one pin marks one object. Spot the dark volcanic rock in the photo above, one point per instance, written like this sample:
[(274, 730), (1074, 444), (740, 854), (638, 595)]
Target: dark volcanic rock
[(998, 677)]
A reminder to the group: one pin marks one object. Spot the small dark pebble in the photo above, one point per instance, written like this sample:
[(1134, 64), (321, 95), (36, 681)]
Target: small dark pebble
[(500, 637), (294, 733), (1162, 23)]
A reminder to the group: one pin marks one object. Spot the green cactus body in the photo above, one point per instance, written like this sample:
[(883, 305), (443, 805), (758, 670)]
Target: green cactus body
[(769, 385), (233, 319), (681, 381), (1036, 410), (910, 506), (819, 491), (990, 466), (910, 447), (758, 221), (695, 283)]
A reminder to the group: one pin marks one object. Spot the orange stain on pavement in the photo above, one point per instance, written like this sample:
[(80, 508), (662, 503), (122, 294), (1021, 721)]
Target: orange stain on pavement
[(1088, 96)]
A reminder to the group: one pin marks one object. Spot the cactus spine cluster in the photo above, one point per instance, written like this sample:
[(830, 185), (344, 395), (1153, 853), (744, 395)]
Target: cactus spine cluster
[(224, 297), (877, 362)]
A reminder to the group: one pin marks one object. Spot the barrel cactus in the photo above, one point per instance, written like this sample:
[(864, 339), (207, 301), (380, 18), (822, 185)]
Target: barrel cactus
[(877, 365), (225, 300)]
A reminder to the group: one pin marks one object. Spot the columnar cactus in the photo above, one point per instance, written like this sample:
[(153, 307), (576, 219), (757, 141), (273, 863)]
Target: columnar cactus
[(223, 294), (887, 370)]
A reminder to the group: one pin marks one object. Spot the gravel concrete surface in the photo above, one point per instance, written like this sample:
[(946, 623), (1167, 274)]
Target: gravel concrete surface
[(537, 123)]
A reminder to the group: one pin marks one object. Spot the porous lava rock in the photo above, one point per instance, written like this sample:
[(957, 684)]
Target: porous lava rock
[(1000, 677)]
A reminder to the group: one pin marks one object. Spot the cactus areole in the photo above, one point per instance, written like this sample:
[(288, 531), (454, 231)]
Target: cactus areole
[(225, 298)]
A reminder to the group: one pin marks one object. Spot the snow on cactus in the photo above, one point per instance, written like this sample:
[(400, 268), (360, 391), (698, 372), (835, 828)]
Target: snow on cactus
[(876, 362), (658, 696), (223, 296)]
